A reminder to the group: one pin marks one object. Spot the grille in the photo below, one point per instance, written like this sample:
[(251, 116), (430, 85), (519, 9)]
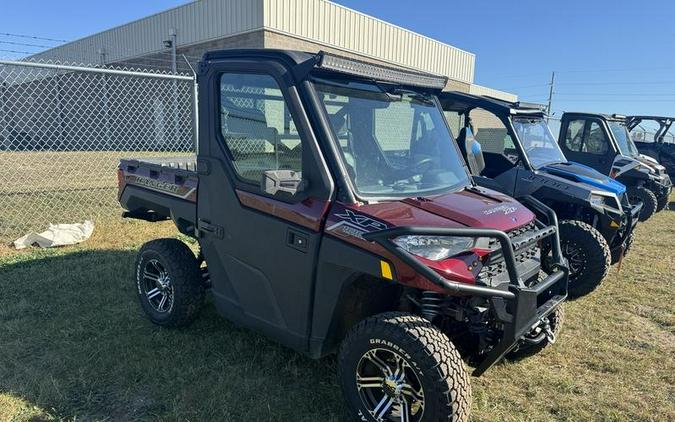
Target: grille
[(496, 271)]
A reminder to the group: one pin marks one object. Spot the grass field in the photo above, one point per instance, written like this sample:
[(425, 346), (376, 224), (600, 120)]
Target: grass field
[(75, 346)]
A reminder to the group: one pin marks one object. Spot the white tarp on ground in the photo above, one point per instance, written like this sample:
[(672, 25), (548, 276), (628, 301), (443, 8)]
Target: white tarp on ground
[(57, 235)]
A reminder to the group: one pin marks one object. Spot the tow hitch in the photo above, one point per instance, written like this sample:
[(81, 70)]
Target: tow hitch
[(541, 331)]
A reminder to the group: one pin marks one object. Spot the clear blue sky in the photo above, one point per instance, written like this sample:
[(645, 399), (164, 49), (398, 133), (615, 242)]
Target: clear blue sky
[(610, 56)]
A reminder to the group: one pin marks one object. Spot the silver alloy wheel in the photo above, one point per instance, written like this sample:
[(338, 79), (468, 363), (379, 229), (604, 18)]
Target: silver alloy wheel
[(157, 286), (389, 387), (575, 258)]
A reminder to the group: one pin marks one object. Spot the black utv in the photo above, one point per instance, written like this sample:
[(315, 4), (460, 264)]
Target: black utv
[(602, 141), (662, 146), (510, 148)]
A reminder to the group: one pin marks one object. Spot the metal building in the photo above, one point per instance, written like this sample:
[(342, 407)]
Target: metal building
[(309, 25)]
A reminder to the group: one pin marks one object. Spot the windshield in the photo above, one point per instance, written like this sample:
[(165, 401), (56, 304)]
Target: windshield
[(626, 145), (538, 142), (394, 143)]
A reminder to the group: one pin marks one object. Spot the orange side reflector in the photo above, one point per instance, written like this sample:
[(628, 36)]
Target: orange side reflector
[(385, 269)]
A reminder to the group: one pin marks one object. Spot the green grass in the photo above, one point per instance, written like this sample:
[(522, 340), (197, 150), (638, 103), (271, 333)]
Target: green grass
[(74, 345)]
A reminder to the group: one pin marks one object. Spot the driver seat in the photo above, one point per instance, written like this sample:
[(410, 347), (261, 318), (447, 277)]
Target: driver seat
[(471, 150)]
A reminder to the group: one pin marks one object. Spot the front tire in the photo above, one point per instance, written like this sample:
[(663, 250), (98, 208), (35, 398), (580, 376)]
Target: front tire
[(588, 255), (661, 203), (648, 199), (397, 362), (169, 282)]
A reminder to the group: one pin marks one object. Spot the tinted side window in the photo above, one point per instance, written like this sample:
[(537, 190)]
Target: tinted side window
[(492, 135), (574, 136), (257, 126), (596, 141)]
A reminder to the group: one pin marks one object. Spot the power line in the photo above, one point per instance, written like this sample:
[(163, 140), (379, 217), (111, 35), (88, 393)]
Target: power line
[(33, 37), (639, 100), (619, 83), (15, 51), (635, 69), (25, 44), (610, 94), (529, 86)]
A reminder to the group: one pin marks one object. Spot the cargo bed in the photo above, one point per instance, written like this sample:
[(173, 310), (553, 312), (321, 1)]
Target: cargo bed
[(156, 189)]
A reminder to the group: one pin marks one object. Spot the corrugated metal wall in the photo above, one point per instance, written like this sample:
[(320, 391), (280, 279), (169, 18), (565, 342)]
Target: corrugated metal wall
[(319, 21), (195, 22), (329, 23)]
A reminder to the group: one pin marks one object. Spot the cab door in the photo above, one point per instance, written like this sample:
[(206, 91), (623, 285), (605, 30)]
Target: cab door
[(585, 141), (263, 193)]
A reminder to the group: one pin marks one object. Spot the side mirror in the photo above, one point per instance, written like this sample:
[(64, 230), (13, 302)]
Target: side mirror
[(282, 181)]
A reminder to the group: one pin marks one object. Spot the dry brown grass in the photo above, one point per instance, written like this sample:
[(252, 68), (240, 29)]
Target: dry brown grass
[(74, 345)]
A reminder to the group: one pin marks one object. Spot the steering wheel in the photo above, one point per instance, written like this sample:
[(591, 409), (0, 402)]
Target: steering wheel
[(423, 164)]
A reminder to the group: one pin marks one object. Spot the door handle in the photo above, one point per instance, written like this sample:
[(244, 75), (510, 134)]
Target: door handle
[(297, 240), (206, 226)]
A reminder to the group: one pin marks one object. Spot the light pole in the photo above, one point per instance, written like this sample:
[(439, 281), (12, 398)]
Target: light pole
[(550, 98), (171, 43)]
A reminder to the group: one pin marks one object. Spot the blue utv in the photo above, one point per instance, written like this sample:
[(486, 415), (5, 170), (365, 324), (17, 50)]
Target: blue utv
[(509, 147)]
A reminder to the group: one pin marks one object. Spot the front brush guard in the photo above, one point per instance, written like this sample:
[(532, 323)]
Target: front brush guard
[(516, 305)]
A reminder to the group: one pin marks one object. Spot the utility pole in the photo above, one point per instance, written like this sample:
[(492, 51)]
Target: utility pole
[(172, 34), (101, 56), (550, 98)]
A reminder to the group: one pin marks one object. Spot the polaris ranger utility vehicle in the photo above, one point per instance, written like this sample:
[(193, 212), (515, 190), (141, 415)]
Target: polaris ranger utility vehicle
[(661, 148), (335, 214), (602, 141), (510, 148)]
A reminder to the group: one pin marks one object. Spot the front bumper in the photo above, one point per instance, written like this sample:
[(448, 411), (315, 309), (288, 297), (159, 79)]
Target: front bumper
[(632, 214), (517, 306), (662, 188)]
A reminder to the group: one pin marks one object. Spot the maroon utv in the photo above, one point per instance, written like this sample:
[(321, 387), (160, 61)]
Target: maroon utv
[(334, 213)]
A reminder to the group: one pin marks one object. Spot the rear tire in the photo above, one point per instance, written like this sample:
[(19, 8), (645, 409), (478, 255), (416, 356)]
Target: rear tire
[(431, 386), (588, 255), (556, 320), (648, 199), (169, 282)]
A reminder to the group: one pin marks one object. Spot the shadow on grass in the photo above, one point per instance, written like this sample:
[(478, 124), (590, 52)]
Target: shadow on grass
[(74, 341)]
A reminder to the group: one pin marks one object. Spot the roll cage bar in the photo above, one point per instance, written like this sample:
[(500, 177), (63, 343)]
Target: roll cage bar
[(664, 124)]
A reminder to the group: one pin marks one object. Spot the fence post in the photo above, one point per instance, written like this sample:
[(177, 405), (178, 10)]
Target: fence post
[(195, 116)]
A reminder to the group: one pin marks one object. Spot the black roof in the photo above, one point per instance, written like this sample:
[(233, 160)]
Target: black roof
[(613, 117), (461, 101), (305, 62), (292, 56), (656, 118)]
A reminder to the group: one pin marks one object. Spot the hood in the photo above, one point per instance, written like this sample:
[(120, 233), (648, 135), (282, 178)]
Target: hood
[(472, 207), (580, 173), (651, 163)]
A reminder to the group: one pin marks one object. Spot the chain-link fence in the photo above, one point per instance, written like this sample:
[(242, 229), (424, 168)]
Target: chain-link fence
[(643, 135), (64, 128)]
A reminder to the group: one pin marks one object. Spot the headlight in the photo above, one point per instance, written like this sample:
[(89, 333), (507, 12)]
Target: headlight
[(609, 202), (597, 200), (435, 248)]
